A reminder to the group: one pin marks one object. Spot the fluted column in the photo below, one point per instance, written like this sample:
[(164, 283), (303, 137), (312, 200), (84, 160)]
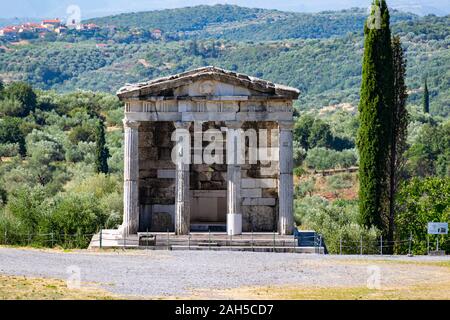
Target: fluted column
[(286, 180), (130, 223), (234, 214), (182, 185)]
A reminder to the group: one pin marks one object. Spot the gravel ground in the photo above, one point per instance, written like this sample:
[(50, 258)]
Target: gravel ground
[(179, 273)]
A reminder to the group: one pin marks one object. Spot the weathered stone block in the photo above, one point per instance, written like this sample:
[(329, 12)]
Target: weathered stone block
[(259, 202), (259, 218), (161, 222), (258, 183), (166, 174), (251, 193), (270, 193)]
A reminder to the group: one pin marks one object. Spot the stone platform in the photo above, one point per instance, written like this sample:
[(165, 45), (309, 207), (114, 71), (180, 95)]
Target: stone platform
[(217, 241)]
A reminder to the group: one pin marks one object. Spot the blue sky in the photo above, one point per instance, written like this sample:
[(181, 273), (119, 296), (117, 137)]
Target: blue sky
[(93, 8)]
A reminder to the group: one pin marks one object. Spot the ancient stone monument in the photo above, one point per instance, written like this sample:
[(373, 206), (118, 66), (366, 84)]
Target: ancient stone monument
[(192, 188)]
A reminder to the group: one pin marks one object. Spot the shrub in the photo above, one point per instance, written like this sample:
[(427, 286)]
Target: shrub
[(335, 221), (322, 159), (421, 201)]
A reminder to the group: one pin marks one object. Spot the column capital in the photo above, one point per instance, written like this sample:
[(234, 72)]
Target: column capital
[(133, 124), (234, 124), (182, 125), (286, 125)]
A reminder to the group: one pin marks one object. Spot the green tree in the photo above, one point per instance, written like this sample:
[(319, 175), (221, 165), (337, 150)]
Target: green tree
[(320, 135), (377, 94), (24, 94), (429, 155), (422, 201), (426, 98), (399, 132), (302, 130), (10, 132), (101, 151)]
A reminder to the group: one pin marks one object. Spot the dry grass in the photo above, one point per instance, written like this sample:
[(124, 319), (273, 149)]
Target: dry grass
[(26, 288), (413, 280), (418, 292)]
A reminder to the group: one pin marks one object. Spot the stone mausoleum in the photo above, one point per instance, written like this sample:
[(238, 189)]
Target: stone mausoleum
[(162, 195)]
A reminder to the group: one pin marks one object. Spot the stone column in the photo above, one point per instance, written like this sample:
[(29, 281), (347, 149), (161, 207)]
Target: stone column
[(286, 181), (182, 185), (234, 214), (130, 223)]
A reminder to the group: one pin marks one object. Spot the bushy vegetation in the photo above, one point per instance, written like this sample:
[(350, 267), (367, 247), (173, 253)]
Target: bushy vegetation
[(420, 201), (337, 221), (51, 153)]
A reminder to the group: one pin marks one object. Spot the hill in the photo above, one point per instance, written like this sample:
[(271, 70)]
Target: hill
[(306, 51), (237, 23)]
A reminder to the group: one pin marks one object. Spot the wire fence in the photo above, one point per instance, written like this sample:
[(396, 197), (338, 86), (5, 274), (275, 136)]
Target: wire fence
[(315, 243)]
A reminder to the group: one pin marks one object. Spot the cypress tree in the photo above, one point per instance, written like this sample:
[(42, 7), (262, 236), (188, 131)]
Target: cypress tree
[(426, 98), (101, 151), (377, 95), (399, 132)]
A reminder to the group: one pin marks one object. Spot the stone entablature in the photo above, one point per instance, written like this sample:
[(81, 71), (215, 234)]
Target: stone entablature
[(166, 194)]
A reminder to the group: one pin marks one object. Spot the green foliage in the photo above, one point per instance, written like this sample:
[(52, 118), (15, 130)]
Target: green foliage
[(10, 132), (335, 221), (82, 65), (81, 133), (399, 135), (305, 188), (19, 100), (340, 181), (426, 99), (322, 159), (421, 201), (101, 151), (72, 217), (312, 132), (377, 96), (429, 154)]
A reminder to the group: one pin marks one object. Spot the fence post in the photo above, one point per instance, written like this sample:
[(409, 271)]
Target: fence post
[(320, 245), (295, 245), (252, 241), (52, 238), (100, 237), (381, 245), (6, 235), (231, 237), (340, 245), (209, 238), (361, 252), (274, 241), (168, 240), (410, 242), (428, 244)]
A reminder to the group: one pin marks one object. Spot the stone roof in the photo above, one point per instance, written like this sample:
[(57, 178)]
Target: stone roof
[(163, 86)]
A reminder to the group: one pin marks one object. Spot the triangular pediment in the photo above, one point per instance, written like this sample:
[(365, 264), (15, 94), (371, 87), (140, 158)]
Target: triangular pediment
[(207, 81)]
